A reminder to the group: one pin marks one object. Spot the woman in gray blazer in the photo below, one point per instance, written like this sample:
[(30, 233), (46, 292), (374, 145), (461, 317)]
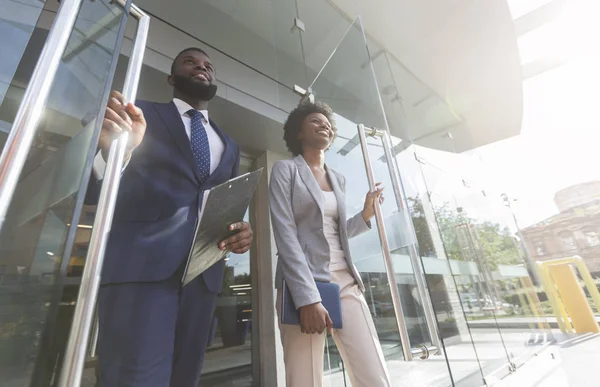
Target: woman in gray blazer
[(308, 213)]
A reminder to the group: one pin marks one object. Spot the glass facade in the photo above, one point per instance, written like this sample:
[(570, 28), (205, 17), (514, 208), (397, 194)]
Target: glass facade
[(38, 234), (450, 272)]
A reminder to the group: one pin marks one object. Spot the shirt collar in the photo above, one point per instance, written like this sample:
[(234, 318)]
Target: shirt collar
[(183, 107)]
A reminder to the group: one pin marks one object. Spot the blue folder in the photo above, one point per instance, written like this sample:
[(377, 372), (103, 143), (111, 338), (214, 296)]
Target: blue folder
[(330, 298)]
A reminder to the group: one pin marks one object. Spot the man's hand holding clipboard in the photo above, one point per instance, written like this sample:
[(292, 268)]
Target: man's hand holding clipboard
[(219, 229), (241, 241)]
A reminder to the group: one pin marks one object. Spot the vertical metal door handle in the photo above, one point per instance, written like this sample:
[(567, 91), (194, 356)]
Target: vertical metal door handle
[(77, 346), (413, 252), (387, 258)]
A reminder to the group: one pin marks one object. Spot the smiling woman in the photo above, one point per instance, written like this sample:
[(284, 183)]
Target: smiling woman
[(318, 115), (312, 232)]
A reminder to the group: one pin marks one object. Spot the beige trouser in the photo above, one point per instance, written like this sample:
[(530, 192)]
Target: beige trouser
[(357, 342)]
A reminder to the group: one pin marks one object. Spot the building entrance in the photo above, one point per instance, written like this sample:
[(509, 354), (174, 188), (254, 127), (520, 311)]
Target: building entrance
[(426, 304), (443, 293)]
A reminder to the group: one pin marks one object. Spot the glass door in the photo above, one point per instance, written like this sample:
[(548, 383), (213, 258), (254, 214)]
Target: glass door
[(396, 290), (63, 57), (490, 314)]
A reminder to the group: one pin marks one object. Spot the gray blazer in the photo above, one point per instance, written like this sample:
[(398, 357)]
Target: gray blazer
[(296, 203)]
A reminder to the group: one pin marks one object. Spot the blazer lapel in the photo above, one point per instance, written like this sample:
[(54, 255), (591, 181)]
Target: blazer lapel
[(340, 195), (170, 116), (309, 180)]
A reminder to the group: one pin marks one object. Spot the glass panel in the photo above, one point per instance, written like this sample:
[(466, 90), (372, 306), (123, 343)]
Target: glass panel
[(325, 28), (347, 84), (37, 236), (466, 298), (503, 309), (230, 341), (17, 26), (464, 250), (260, 35)]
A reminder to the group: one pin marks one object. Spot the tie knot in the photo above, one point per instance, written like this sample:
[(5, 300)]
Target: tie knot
[(193, 113)]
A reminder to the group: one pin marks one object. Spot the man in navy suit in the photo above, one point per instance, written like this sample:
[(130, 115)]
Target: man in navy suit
[(152, 331)]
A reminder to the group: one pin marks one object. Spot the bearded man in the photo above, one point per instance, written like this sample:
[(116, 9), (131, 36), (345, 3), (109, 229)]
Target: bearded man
[(152, 331)]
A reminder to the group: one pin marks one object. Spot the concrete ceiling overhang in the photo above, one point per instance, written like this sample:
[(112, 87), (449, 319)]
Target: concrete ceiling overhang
[(465, 52)]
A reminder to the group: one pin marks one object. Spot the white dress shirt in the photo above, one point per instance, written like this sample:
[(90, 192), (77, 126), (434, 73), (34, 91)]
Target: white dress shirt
[(331, 229), (217, 147)]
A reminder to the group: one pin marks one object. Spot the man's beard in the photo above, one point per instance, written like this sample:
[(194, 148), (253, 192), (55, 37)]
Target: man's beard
[(190, 88)]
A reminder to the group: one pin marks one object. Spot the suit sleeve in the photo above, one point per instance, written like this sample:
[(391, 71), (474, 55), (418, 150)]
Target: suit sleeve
[(356, 225), (235, 171), (95, 184), (296, 272), (92, 195)]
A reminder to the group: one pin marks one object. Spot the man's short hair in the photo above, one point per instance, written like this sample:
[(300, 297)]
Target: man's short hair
[(183, 52)]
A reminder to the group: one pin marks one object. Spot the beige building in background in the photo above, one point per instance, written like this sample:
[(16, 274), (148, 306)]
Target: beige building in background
[(573, 231)]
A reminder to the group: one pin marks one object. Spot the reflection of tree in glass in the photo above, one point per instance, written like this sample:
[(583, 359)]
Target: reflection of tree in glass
[(426, 246), (496, 243)]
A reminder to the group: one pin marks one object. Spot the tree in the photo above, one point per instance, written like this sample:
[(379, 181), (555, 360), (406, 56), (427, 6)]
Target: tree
[(497, 244)]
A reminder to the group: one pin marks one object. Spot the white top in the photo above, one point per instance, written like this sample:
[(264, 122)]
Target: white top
[(217, 147), (331, 229)]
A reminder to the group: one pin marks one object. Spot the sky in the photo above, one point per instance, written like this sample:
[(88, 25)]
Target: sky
[(559, 143)]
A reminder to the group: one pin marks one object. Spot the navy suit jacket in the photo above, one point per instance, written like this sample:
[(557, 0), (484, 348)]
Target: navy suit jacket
[(159, 197)]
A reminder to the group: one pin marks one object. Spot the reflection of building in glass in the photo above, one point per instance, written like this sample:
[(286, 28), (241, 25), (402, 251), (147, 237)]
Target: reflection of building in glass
[(574, 231)]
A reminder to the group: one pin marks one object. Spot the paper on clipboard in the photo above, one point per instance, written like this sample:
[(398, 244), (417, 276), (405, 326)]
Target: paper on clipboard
[(221, 206)]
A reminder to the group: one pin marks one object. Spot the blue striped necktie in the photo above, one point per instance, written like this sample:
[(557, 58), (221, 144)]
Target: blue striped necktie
[(200, 145)]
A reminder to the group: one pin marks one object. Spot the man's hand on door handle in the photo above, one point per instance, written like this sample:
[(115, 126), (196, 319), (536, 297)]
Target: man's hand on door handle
[(121, 117)]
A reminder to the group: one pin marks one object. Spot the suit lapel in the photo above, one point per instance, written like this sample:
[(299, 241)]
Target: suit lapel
[(309, 180), (170, 116), (340, 195)]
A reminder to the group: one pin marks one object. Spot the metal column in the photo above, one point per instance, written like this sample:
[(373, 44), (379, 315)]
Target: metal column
[(75, 356)]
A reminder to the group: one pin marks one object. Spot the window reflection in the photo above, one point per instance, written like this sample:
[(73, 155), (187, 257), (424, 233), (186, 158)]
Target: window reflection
[(230, 341)]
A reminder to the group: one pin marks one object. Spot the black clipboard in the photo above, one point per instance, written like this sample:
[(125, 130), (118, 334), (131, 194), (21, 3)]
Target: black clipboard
[(221, 206)]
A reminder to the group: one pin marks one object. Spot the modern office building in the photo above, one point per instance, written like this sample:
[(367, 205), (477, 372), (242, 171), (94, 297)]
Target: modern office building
[(415, 86)]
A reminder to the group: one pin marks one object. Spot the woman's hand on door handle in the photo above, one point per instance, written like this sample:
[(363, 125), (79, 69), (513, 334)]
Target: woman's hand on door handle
[(369, 208)]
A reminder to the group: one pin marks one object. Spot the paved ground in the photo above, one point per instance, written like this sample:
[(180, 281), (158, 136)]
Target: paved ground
[(572, 362), (516, 322)]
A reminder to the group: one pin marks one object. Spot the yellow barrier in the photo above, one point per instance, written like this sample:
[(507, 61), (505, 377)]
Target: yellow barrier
[(559, 311), (534, 303), (566, 296)]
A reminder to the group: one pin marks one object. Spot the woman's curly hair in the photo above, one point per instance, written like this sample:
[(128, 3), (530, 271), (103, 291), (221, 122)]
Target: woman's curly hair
[(293, 124)]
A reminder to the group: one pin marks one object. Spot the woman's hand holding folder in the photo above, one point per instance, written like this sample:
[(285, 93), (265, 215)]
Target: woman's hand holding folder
[(314, 318)]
